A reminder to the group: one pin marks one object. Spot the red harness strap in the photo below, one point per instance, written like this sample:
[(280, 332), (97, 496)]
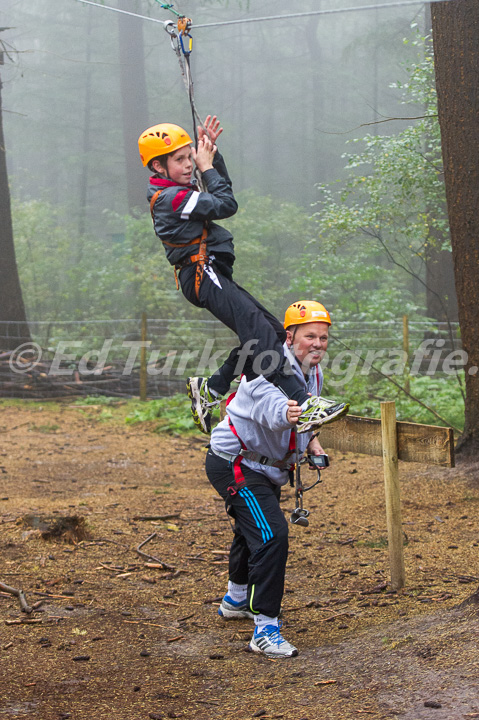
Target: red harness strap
[(237, 470)]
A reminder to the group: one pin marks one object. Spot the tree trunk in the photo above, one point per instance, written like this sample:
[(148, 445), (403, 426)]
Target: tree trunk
[(13, 322), (441, 298), (85, 160), (134, 101), (456, 52)]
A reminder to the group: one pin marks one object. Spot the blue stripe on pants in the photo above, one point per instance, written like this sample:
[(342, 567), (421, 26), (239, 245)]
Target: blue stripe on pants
[(257, 513)]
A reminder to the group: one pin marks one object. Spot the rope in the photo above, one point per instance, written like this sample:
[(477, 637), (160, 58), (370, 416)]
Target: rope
[(185, 68), (169, 6), (176, 37)]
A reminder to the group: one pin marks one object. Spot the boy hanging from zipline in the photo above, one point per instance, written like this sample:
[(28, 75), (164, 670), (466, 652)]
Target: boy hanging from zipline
[(202, 253)]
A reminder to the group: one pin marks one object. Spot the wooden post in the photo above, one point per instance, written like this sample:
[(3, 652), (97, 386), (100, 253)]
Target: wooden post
[(405, 346), (393, 502), (143, 375)]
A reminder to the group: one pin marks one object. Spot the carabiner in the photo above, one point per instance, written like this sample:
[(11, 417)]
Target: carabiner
[(188, 50)]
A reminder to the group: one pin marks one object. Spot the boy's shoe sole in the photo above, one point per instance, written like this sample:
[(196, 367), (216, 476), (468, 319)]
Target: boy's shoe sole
[(201, 418), (334, 413)]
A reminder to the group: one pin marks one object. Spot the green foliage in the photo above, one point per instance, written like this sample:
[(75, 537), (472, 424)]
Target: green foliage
[(172, 415), (368, 260), (48, 428), (97, 400), (365, 392), (72, 277), (374, 231), (269, 237), (381, 543), (441, 393)]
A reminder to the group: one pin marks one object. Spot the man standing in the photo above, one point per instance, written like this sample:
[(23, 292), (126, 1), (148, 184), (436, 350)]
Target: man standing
[(251, 454)]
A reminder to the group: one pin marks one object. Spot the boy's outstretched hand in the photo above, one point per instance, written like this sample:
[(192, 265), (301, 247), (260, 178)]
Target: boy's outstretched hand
[(211, 128), (204, 153)]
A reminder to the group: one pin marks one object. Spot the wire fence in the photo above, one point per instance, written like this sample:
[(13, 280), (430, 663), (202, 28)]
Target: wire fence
[(42, 359)]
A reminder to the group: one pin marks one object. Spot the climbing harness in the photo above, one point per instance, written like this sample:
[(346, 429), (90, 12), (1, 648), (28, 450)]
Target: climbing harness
[(201, 257), (283, 464), (245, 454), (300, 515)]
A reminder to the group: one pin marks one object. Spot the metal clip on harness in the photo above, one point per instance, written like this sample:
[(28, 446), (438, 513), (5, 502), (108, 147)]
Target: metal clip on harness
[(300, 515)]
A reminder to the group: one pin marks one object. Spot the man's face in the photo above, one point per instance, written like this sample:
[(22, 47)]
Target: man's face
[(179, 164), (310, 342)]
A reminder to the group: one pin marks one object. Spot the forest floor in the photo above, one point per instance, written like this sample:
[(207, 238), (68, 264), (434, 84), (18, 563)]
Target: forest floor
[(118, 637)]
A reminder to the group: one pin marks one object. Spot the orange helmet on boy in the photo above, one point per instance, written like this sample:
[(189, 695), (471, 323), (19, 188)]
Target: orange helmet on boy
[(306, 312), (160, 140)]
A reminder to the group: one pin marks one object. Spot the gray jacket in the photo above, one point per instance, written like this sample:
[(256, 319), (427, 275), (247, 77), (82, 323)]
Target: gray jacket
[(180, 212), (258, 413)]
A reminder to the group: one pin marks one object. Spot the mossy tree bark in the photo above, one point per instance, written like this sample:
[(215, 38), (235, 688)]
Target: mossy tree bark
[(456, 54)]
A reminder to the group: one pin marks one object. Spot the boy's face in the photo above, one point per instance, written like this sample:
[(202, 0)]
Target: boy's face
[(310, 343), (179, 164)]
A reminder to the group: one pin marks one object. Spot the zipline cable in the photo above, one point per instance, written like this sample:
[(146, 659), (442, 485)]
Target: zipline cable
[(332, 11), (180, 34), (122, 12), (178, 45), (289, 16)]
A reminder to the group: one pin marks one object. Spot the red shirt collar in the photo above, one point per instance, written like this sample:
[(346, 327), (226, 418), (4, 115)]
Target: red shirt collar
[(164, 182)]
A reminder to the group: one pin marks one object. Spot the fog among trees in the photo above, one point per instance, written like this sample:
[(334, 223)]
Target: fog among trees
[(331, 137), (85, 81)]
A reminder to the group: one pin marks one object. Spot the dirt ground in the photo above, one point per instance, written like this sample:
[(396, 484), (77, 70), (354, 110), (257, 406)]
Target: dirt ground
[(118, 636)]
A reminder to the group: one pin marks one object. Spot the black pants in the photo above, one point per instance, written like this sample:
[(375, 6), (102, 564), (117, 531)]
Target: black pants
[(243, 314), (260, 545)]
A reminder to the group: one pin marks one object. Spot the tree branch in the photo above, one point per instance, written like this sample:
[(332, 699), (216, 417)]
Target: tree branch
[(26, 608)]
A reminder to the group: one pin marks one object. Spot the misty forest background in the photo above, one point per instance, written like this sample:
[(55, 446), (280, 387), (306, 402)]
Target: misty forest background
[(331, 138)]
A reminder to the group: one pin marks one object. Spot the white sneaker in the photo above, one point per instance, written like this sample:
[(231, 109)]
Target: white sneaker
[(271, 643), (202, 402), (319, 411)]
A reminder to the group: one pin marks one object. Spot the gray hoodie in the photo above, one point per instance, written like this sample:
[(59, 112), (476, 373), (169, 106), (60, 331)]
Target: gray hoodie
[(258, 413)]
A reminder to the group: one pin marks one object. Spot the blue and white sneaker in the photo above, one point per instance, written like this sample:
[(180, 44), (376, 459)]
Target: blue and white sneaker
[(231, 610), (271, 643)]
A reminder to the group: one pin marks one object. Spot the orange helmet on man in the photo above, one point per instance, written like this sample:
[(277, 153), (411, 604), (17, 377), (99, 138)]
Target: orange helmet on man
[(308, 311), (160, 140)]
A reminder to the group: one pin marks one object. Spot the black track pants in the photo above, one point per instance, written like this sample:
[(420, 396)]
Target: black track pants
[(260, 333), (260, 545)]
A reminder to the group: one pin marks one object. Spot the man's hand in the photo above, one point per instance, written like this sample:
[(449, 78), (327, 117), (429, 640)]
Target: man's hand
[(293, 412), (204, 154), (314, 447), (211, 128)]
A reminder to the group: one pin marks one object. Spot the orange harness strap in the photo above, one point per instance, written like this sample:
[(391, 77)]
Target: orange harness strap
[(201, 258)]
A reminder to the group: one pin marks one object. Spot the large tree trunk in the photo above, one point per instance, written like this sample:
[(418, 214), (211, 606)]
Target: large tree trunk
[(13, 322), (134, 101), (456, 52), (441, 298)]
